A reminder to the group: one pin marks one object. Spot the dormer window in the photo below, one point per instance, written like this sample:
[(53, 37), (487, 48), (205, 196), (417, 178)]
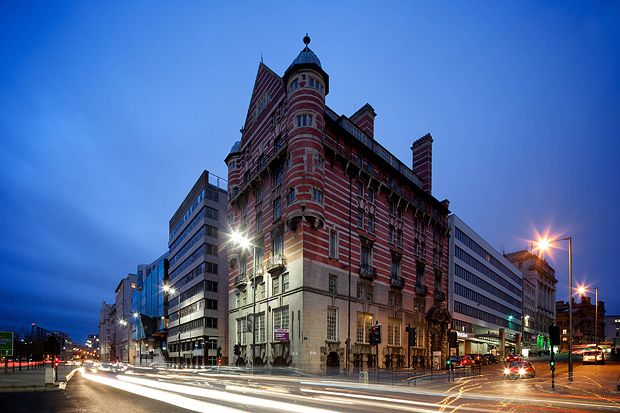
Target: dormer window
[(294, 85), (304, 119), (316, 84)]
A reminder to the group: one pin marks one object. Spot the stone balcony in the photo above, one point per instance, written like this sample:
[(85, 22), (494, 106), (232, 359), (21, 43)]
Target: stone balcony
[(276, 263), (421, 290), (241, 280), (368, 272), (397, 282)]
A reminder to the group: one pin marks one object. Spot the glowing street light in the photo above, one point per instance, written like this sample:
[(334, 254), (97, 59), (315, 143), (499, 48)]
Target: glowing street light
[(583, 290), (543, 244), (240, 240), (168, 289), (125, 324)]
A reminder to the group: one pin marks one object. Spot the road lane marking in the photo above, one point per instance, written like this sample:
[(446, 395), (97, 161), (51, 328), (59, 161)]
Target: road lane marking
[(162, 396)]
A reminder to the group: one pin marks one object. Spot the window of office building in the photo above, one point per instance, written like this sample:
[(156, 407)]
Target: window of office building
[(285, 282), (393, 332), (241, 330), (364, 291), (333, 243), (281, 317), (332, 323), (333, 283), (277, 209), (275, 286), (260, 328), (277, 242), (364, 322)]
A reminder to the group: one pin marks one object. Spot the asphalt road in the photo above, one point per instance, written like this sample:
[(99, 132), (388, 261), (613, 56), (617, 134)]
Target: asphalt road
[(80, 396), (144, 390)]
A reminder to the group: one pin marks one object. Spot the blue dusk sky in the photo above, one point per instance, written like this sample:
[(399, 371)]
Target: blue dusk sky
[(109, 111)]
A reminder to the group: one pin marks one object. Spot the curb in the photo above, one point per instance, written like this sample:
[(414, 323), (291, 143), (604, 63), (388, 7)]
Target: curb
[(26, 388), (63, 384)]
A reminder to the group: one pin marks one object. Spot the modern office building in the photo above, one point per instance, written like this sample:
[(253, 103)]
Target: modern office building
[(149, 305), (124, 348), (198, 274), (537, 272), (584, 322), (343, 235), (485, 294)]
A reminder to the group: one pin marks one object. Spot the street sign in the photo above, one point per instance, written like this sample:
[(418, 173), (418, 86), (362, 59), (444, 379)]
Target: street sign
[(6, 343)]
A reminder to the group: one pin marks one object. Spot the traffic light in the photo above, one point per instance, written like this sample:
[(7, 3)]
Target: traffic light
[(237, 350), (552, 365), (219, 351), (413, 334), (374, 335), (452, 339), (554, 335), (371, 336)]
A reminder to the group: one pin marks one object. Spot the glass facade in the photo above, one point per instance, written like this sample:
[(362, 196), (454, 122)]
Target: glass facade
[(148, 299)]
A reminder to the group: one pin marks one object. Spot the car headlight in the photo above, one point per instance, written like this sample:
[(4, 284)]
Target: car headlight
[(522, 371), (506, 371)]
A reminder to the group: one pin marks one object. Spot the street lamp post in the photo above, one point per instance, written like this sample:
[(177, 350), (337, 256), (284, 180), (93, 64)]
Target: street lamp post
[(544, 244), (583, 290), (171, 291), (138, 336), (244, 242), (125, 324)]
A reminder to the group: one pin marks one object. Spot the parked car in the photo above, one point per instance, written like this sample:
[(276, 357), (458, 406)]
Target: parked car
[(594, 356), (519, 369)]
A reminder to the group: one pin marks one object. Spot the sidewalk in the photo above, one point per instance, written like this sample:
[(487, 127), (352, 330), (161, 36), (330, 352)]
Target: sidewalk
[(31, 380)]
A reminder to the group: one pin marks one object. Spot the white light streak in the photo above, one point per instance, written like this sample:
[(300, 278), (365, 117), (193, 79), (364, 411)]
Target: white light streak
[(163, 396), (224, 396)]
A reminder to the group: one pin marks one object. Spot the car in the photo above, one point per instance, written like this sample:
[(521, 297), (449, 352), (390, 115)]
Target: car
[(489, 359), (466, 361), (512, 357), (454, 361), (594, 356), (519, 369), (477, 358)]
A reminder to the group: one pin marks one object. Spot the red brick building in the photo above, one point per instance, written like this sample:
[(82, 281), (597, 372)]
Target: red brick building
[(345, 234)]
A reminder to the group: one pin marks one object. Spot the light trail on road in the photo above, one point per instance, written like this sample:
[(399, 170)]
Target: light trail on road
[(224, 396), (162, 396)]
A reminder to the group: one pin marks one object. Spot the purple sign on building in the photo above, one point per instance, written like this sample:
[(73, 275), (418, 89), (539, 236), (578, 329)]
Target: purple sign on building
[(280, 334)]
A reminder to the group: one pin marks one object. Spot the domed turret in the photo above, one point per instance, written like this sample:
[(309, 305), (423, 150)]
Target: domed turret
[(234, 172), (306, 85), (307, 60)]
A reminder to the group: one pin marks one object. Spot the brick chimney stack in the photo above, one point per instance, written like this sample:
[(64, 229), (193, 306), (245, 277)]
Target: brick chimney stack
[(364, 119), (422, 151)]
